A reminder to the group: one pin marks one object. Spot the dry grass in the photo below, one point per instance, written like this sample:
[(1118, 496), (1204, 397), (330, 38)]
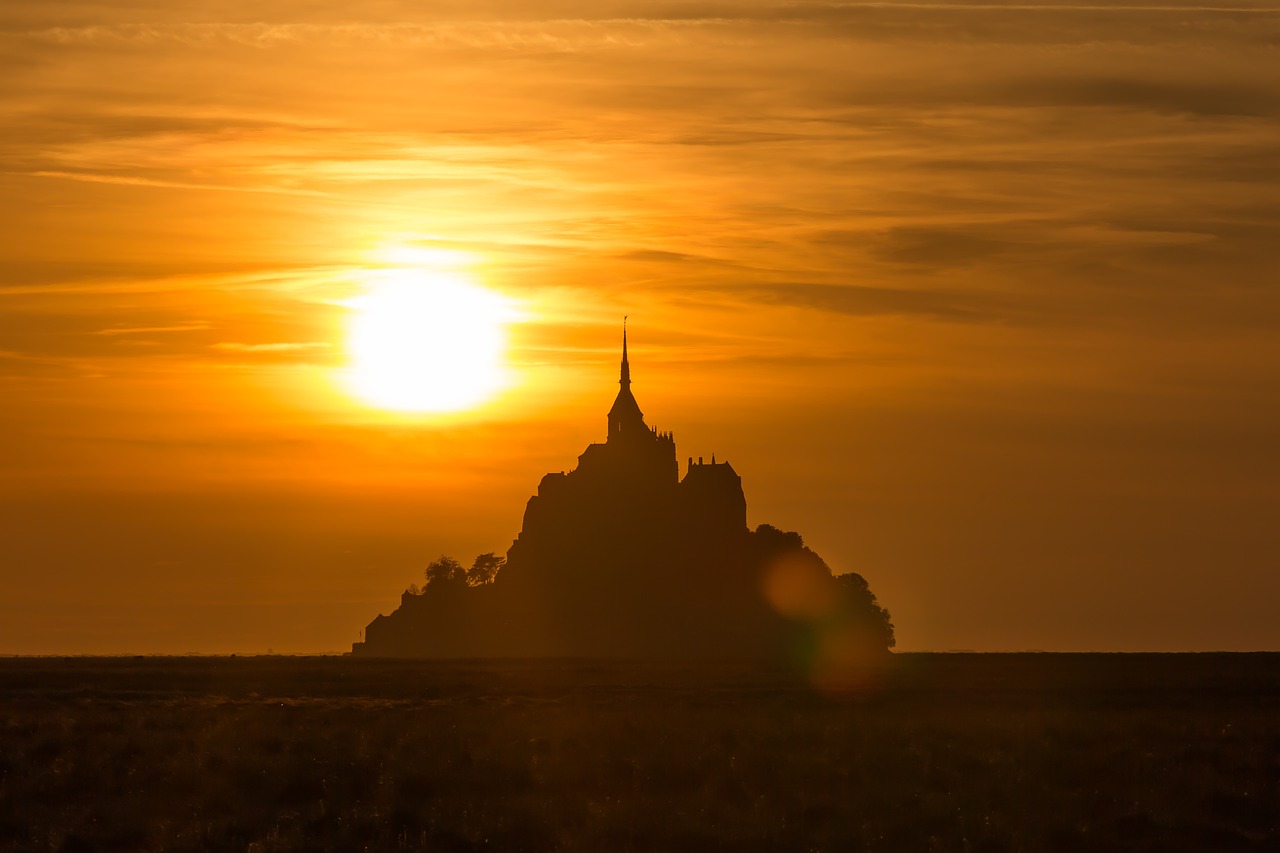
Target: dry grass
[(963, 753)]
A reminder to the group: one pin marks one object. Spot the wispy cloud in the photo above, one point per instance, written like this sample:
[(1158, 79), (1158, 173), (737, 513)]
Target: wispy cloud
[(138, 330), (288, 346), (134, 181)]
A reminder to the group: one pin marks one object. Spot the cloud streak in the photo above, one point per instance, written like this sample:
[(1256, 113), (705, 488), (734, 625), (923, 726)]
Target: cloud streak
[(137, 330)]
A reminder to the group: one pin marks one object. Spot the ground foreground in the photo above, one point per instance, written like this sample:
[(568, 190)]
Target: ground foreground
[(942, 752)]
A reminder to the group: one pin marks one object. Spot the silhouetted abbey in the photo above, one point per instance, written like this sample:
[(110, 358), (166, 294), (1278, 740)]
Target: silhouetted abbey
[(622, 558)]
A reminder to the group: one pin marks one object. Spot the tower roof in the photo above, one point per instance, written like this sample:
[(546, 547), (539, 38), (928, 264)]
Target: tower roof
[(625, 406)]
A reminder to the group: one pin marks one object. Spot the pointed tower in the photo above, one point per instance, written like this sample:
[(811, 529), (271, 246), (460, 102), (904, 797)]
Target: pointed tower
[(625, 417)]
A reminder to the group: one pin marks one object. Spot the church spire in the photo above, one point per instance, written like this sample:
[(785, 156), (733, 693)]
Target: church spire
[(625, 414), (625, 380)]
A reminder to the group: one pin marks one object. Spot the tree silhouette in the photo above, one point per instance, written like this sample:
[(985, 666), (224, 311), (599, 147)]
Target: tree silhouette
[(485, 569), (800, 585), (444, 570), (770, 541), (858, 604)]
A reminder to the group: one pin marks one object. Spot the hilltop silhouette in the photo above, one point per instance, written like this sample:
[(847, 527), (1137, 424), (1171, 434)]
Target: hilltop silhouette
[(620, 557)]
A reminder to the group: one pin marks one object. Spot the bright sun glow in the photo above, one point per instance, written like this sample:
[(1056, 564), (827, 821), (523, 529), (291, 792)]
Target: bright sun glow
[(426, 341)]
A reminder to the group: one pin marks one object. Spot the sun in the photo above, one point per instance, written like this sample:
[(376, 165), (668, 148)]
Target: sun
[(426, 341)]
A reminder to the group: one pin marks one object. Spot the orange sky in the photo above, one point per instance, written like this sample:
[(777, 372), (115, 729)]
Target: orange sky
[(979, 297)]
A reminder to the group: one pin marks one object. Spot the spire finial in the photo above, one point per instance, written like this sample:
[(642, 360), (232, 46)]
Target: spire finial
[(625, 379)]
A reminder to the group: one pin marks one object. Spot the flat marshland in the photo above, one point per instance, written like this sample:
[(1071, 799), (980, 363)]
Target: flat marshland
[(944, 752)]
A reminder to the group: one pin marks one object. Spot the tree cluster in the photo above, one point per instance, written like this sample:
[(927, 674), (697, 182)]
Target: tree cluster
[(800, 585), (445, 571)]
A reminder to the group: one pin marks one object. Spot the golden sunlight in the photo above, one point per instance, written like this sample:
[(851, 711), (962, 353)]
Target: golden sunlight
[(426, 341)]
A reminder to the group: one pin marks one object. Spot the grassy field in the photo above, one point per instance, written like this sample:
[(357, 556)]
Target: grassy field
[(947, 752)]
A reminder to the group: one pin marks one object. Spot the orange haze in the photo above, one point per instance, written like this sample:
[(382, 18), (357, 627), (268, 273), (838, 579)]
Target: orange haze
[(980, 298)]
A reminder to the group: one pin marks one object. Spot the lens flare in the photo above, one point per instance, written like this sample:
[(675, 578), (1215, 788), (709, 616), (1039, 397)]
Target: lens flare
[(798, 588)]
